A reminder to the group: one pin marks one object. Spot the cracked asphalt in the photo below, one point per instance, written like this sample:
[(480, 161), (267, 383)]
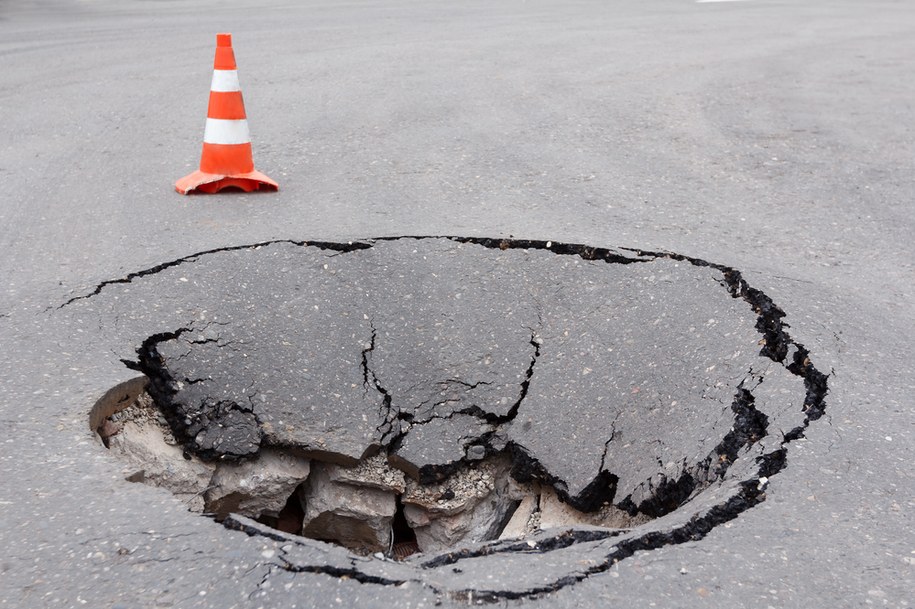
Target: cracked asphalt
[(273, 340), (767, 137)]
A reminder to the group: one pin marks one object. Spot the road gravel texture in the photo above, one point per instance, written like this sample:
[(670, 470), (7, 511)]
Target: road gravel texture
[(767, 137)]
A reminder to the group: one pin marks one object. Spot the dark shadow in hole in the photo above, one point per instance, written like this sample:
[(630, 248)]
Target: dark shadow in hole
[(290, 518), (404, 542), (499, 526)]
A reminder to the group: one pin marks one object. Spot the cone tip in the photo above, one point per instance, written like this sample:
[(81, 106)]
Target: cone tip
[(223, 40)]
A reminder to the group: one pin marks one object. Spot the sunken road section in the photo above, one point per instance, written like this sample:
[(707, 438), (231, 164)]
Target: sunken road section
[(456, 398)]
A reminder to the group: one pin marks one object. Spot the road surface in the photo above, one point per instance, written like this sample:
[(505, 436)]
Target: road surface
[(770, 137)]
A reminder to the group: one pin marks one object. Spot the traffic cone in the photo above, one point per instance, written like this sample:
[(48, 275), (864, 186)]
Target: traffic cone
[(226, 160)]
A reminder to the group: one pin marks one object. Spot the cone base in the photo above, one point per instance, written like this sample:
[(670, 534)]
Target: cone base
[(209, 183)]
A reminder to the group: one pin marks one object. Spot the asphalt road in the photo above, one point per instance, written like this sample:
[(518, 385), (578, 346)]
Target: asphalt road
[(772, 137)]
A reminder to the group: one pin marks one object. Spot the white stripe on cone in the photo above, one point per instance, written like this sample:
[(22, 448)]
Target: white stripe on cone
[(221, 131), (225, 81)]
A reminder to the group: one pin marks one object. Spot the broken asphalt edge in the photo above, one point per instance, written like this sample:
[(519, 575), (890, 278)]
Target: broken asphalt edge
[(777, 345)]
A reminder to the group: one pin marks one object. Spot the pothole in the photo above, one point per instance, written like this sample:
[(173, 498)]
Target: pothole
[(446, 399)]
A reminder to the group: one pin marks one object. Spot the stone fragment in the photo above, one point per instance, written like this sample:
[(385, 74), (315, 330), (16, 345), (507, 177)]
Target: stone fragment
[(476, 452), (460, 491), (520, 523), (357, 517), (149, 458), (480, 523), (469, 506), (259, 487), (416, 516), (373, 472)]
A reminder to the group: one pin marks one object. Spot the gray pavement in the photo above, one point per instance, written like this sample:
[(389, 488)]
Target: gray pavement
[(771, 137)]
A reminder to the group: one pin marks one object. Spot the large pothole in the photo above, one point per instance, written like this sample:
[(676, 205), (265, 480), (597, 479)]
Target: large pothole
[(432, 394)]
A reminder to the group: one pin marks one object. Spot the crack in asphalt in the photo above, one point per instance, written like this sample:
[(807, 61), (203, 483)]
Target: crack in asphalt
[(603, 458), (583, 251), (386, 397), (252, 528), (432, 472), (339, 247)]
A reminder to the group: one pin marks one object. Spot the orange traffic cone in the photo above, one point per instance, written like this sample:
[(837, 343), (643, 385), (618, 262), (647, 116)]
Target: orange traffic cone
[(226, 160)]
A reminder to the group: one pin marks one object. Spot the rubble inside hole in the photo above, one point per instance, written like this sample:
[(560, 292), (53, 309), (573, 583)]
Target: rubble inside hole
[(369, 508), (142, 440), (356, 516), (261, 485)]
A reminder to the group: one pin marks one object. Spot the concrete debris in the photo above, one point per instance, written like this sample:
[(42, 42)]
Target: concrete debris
[(261, 486), (351, 506), (476, 452), (357, 517), (372, 472), (524, 521), (471, 505), (148, 450), (457, 493), (257, 487)]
